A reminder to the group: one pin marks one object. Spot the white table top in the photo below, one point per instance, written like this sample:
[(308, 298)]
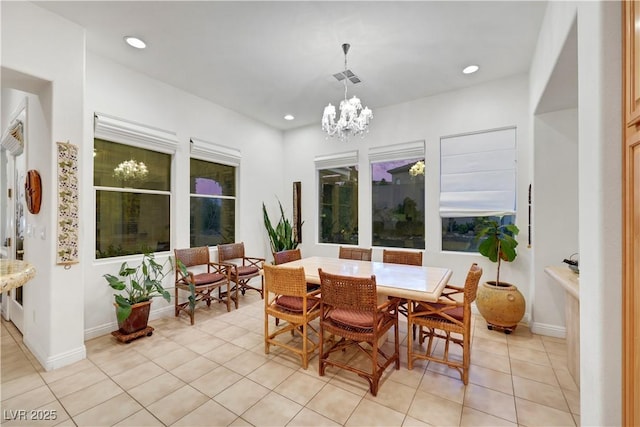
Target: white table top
[(404, 281), (14, 273)]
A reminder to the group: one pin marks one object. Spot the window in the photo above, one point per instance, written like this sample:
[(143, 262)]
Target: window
[(213, 203), (133, 199), (338, 198), (132, 181), (477, 184), (398, 195)]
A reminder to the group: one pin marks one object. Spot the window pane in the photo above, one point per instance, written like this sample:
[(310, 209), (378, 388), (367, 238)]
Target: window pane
[(124, 166), (131, 223), (460, 234), (339, 205), (398, 204), (212, 221), (213, 179)]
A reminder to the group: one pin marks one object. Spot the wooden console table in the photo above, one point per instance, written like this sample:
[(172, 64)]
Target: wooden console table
[(15, 273), (570, 282)]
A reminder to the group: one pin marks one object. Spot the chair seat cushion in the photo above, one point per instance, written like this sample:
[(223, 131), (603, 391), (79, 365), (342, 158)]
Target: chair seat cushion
[(353, 318), (207, 278), (295, 303), (247, 270), (455, 312)]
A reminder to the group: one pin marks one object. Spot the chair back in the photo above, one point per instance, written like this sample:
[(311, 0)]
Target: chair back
[(348, 292), (402, 257), (286, 256), (230, 251), (192, 256), (471, 283), (282, 280), (361, 254)]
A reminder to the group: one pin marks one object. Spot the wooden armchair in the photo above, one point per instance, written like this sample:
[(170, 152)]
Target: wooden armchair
[(406, 258), (243, 268), (350, 310), (287, 299), (450, 314), (203, 284), (361, 254), (285, 256)]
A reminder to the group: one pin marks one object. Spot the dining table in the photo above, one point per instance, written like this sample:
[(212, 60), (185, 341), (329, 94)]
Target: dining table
[(417, 283)]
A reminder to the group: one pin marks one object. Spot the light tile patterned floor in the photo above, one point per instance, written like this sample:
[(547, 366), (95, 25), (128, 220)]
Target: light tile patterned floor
[(215, 373)]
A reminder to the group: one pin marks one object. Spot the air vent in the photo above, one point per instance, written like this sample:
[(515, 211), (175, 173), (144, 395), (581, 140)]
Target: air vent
[(349, 75)]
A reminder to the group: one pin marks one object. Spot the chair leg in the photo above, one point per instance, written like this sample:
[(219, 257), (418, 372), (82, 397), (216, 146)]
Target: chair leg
[(177, 308)]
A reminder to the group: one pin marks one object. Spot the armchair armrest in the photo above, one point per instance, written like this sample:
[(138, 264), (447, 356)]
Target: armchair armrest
[(253, 261)]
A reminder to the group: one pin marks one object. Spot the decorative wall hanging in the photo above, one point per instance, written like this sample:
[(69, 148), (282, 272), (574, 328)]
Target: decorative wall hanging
[(67, 246), (33, 191), (297, 211)]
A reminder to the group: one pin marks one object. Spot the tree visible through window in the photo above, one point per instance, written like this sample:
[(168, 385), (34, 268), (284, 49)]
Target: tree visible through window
[(397, 195)]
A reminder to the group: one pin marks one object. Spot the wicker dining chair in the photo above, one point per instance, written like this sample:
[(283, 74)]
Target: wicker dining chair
[(361, 254), (451, 314), (204, 284), (287, 255), (243, 268), (287, 299), (350, 311), (406, 258)]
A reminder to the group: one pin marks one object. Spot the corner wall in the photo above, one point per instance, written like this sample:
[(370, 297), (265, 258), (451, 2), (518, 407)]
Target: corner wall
[(599, 162), (47, 48)]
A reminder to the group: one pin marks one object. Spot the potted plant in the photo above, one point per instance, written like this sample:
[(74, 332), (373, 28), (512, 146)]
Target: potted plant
[(281, 236), (140, 285), (500, 303)]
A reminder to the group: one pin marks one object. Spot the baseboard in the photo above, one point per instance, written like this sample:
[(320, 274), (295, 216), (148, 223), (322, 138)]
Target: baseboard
[(58, 361), (107, 328), (549, 330)]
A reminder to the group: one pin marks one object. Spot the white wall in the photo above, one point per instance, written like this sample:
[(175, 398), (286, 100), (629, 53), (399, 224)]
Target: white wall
[(46, 48), (117, 91), (599, 208), (555, 213), (493, 105)]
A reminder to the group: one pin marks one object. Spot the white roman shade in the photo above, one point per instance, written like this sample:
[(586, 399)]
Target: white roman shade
[(126, 132), (408, 150), (211, 152), (338, 160), (13, 139), (478, 174)]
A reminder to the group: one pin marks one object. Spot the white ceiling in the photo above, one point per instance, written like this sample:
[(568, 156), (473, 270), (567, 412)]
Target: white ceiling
[(266, 59)]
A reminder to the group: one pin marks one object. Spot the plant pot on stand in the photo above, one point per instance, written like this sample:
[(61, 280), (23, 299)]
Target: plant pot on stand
[(502, 306), (136, 325)]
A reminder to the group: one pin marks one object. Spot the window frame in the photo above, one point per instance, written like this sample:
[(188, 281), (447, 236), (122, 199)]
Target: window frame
[(398, 152), (211, 152), (501, 212), (334, 160), (126, 132)]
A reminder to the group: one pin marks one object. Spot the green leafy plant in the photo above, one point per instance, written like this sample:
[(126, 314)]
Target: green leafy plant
[(498, 243), (140, 283), (281, 236)]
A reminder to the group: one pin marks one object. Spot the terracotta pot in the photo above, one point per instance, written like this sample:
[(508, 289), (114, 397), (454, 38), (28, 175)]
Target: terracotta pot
[(137, 320), (501, 306)]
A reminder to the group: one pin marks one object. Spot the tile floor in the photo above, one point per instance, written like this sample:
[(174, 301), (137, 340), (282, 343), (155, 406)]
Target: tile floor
[(215, 373)]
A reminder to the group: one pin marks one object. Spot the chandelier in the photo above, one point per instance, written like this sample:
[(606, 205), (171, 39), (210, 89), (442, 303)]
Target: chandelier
[(417, 168), (131, 170), (354, 120)]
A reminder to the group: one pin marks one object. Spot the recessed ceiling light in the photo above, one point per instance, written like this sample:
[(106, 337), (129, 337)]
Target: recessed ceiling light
[(135, 42), (470, 69), (289, 117)]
